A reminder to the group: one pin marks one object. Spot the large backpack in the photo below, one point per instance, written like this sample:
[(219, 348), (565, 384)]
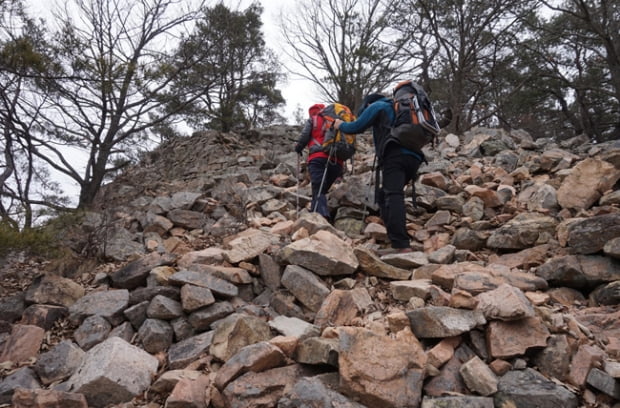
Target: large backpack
[(415, 124), (335, 143)]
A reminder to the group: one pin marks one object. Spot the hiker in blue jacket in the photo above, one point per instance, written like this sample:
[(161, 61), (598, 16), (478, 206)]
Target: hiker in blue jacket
[(398, 166)]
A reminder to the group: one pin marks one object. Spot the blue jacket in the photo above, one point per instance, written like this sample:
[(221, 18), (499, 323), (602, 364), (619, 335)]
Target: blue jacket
[(380, 115)]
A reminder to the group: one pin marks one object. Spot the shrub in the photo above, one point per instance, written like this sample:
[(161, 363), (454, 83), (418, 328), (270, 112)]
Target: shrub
[(46, 240)]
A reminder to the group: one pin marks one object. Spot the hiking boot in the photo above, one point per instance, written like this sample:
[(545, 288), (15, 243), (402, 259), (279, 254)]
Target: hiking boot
[(390, 251)]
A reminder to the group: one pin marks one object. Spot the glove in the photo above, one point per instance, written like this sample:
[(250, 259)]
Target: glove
[(299, 149)]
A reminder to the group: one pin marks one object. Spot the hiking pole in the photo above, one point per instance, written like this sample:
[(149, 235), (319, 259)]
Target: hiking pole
[(318, 194), (298, 184), (374, 161)]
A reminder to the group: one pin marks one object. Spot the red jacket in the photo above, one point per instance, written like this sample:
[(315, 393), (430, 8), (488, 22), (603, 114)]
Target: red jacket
[(313, 134)]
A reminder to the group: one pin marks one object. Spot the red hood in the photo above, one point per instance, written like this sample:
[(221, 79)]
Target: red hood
[(316, 108)]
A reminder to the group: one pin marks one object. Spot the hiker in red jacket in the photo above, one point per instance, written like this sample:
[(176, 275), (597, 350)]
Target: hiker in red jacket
[(324, 171)]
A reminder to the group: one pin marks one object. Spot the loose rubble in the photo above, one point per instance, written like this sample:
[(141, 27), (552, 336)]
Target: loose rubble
[(221, 290)]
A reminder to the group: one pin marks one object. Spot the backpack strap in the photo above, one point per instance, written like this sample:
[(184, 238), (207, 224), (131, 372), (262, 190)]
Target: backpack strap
[(317, 122)]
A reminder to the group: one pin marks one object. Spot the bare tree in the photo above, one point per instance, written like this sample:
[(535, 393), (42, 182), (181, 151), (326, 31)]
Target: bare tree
[(348, 48), (595, 28), (463, 46), (114, 68), (22, 61)]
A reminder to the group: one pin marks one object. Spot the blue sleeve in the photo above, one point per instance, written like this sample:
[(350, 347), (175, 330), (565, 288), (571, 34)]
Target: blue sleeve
[(366, 119)]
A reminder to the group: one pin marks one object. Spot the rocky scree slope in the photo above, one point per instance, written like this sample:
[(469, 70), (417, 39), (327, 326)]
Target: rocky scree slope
[(221, 290)]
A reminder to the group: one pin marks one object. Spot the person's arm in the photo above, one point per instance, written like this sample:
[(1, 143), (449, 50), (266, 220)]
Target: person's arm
[(366, 120), (304, 137)]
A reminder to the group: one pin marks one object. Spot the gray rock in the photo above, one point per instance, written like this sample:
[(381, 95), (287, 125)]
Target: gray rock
[(184, 200), (195, 297), (134, 274), (506, 302), (202, 319), (108, 304), (263, 388), (474, 208), (156, 335), (478, 377), (507, 160), (235, 332), (443, 255), (270, 271), (427, 196), (305, 286), (602, 381), (256, 357), (457, 402), (554, 360), (187, 219), (54, 290), (142, 294), (157, 224), (440, 322), (24, 377), (164, 308), (12, 307), (312, 392), (160, 205), (612, 248), (184, 352), (293, 326), (125, 331), (122, 244), (453, 203), (182, 328), (59, 363), (323, 253), (136, 314), (317, 351), (528, 388), (539, 197), (248, 244), (217, 285), (113, 372), (590, 235), (93, 330), (492, 146), (579, 271), (610, 198), (405, 290), (608, 294), (466, 238), (523, 231), (44, 316)]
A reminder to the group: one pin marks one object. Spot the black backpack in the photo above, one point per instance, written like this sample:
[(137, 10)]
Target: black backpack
[(415, 124)]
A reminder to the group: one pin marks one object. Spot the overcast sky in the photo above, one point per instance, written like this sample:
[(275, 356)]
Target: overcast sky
[(296, 91)]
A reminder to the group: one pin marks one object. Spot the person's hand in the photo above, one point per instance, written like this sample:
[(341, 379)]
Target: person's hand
[(299, 149), (337, 123)]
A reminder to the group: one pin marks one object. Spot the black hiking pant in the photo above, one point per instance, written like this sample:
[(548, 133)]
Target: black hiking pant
[(398, 169), (322, 171)]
